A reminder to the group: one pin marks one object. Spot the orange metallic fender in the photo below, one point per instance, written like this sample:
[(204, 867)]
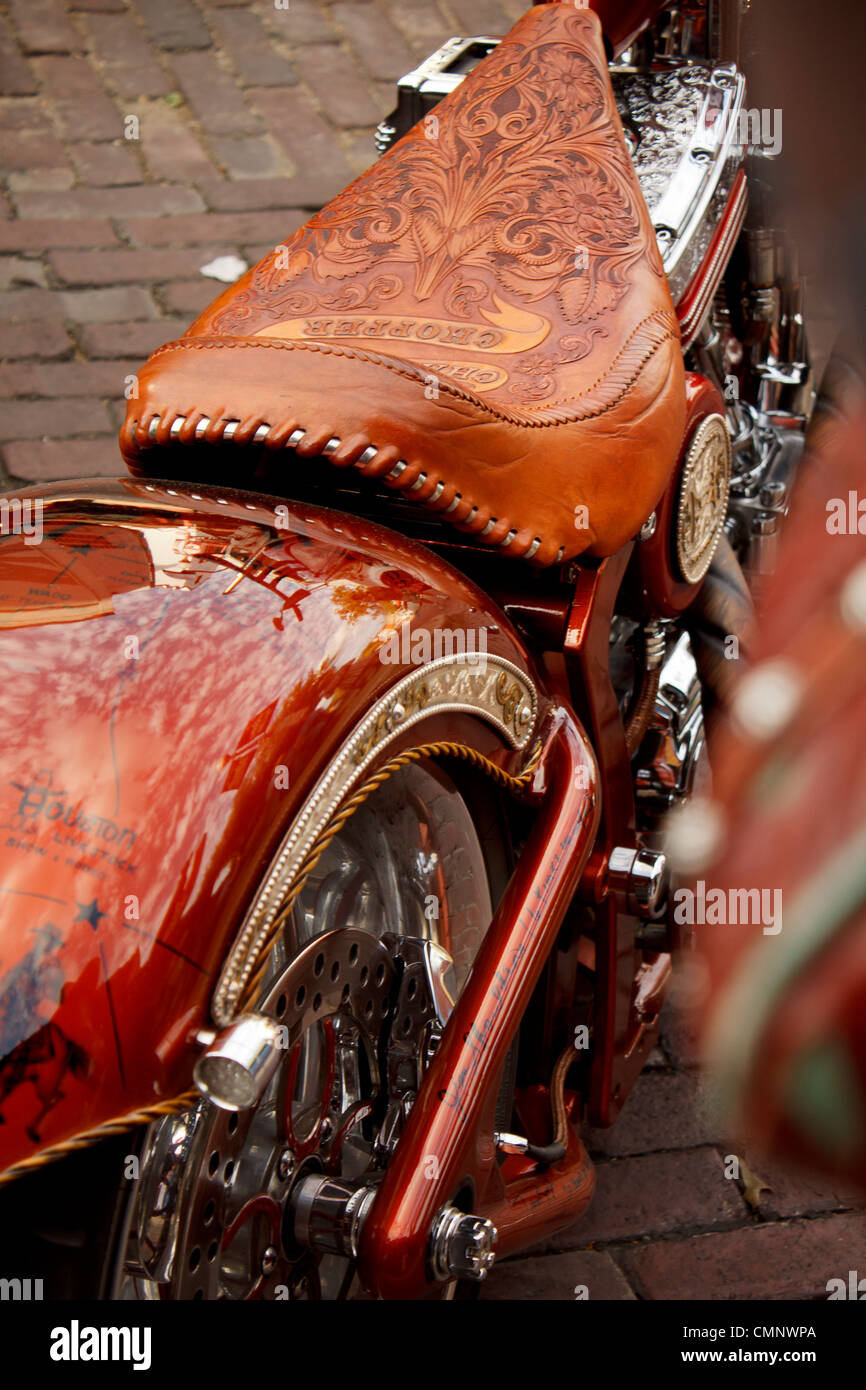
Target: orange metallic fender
[(181, 668)]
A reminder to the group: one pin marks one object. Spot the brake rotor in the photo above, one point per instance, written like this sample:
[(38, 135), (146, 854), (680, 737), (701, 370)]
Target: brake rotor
[(239, 1169)]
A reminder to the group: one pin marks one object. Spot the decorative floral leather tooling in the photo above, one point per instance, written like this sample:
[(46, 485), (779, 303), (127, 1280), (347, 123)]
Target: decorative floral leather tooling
[(481, 320)]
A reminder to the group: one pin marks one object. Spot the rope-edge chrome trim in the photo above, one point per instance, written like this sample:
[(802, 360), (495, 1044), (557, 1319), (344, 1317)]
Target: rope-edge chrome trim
[(449, 684)]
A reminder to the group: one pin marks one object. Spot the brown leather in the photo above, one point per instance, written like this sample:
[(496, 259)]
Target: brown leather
[(485, 308)]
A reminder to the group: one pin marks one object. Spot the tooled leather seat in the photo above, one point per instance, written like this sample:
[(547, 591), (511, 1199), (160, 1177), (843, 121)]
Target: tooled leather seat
[(481, 320)]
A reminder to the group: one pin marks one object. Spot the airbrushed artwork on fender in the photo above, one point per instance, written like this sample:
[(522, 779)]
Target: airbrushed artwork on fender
[(44, 822), (33, 1050), (162, 660)]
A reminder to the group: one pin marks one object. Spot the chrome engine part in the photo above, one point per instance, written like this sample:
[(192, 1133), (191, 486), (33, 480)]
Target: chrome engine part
[(672, 763), (683, 127), (767, 435)]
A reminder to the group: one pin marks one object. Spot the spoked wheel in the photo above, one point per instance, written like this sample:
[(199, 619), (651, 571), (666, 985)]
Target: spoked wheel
[(232, 1205)]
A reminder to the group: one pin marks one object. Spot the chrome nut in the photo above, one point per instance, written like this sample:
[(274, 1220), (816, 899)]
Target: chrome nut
[(462, 1245)]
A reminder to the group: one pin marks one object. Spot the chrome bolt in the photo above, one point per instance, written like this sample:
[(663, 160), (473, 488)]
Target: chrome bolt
[(286, 1165), (269, 1259), (462, 1245), (643, 875)]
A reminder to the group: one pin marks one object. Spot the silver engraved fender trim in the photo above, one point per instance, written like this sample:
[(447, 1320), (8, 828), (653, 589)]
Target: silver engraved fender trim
[(494, 688)]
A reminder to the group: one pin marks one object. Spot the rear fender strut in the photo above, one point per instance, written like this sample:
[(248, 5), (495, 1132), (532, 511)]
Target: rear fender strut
[(445, 1147)]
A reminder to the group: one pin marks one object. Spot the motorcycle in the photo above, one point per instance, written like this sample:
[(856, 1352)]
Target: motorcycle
[(340, 733)]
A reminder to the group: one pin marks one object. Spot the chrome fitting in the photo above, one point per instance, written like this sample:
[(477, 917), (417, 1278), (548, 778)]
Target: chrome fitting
[(642, 874), (654, 644), (328, 1214), (235, 1071), (511, 1143), (461, 1245)]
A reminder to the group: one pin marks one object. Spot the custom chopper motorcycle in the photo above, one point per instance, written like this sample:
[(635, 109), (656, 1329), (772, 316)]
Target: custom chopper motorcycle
[(333, 893)]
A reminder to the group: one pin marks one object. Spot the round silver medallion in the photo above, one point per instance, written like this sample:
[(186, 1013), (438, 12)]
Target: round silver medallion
[(703, 497)]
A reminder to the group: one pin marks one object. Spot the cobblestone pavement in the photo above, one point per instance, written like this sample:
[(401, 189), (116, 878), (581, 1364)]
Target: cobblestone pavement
[(248, 116)]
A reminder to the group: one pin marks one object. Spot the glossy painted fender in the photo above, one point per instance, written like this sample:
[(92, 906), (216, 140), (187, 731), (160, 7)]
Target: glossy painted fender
[(181, 668)]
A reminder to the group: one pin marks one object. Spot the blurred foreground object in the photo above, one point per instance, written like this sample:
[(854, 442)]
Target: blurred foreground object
[(785, 1016)]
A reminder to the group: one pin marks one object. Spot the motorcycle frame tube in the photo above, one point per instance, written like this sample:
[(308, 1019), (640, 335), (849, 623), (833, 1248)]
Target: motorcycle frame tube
[(622, 1040), (446, 1123)]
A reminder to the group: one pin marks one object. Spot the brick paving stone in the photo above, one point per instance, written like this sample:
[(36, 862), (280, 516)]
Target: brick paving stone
[(75, 91), (653, 1195), (788, 1260), (108, 163), (664, 1111), (334, 78), (292, 119), (107, 305), (244, 37), (174, 23), (64, 418), (381, 47), (222, 228), (124, 339), (41, 181), (297, 191), (482, 17), (586, 1274), (38, 234), (359, 149), (126, 56), (150, 200), (425, 26), (251, 157), (64, 378), (48, 460), (301, 21), (171, 149), (128, 266), (42, 340), (213, 95), (19, 270), (16, 76), (22, 305), (190, 296), (117, 6), (27, 140), (43, 26)]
